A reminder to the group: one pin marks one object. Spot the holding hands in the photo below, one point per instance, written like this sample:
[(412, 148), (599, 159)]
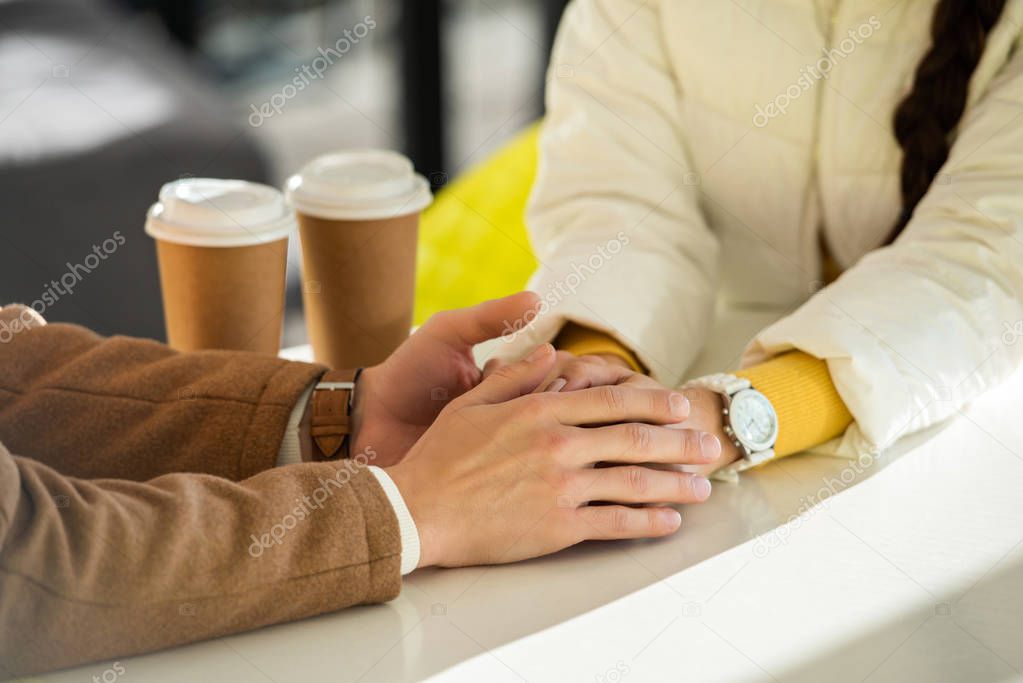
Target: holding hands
[(706, 414), (521, 478), (501, 465)]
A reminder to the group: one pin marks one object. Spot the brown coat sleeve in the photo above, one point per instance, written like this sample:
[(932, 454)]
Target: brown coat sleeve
[(134, 409), (101, 568)]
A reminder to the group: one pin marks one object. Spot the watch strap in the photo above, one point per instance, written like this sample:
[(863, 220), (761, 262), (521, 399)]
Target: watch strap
[(330, 413), (722, 383)]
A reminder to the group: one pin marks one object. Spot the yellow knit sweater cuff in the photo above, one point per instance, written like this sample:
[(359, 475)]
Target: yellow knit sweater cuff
[(583, 341), (799, 386)]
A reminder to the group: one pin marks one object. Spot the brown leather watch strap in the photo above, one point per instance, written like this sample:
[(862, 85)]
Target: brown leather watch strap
[(331, 407)]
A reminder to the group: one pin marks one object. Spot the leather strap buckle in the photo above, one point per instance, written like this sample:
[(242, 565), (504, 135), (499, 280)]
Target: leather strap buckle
[(331, 408)]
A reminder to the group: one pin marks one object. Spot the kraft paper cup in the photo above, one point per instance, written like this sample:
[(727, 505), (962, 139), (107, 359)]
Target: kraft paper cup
[(222, 246), (358, 217)]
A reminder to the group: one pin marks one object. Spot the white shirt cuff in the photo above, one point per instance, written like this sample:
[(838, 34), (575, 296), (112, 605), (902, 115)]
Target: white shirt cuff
[(406, 525), (290, 452)]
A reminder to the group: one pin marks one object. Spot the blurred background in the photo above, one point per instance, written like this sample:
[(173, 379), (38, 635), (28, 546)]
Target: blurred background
[(102, 101)]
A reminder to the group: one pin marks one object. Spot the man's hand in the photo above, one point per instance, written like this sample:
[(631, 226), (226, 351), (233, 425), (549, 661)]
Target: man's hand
[(505, 474), (706, 414), (573, 372), (397, 400)]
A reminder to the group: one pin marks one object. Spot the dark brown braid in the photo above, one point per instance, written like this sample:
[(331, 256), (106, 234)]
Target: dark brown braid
[(930, 113)]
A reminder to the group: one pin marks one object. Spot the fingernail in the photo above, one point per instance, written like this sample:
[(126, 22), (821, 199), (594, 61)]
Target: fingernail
[(672, 518), (557, 385), (701, 488), (540, 352), (679, 405), (710, 447)]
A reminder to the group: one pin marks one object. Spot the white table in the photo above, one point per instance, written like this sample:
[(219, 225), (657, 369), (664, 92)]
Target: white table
[(912, 573)]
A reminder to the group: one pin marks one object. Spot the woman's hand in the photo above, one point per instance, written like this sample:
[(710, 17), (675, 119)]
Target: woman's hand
[(571, 372), (505, 474)]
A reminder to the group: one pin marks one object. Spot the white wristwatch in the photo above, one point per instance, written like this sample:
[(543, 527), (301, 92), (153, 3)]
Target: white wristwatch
[(750, 419)]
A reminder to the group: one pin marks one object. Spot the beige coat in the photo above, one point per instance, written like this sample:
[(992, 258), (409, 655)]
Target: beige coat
[(698, 152)]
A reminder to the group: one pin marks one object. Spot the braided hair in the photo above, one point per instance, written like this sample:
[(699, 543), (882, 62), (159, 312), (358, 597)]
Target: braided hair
[(926, 118)]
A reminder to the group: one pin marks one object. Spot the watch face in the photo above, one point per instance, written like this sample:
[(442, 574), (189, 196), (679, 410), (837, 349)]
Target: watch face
[(753, 420)]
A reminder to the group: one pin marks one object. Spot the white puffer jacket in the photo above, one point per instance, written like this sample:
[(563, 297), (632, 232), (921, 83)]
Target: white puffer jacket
[(696, 151)]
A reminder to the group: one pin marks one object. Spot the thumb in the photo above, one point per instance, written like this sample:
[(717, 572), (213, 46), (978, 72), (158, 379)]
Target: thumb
[(492, 365), (490, 319), (516, 379)]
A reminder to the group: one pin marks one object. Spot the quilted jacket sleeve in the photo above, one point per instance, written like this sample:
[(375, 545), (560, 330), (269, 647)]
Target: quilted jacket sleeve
[(614, 215), (916, 330)]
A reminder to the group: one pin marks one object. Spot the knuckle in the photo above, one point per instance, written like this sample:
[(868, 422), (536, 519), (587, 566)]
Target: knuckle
[(640, 437), (687, 441), (553, 442), (613, 397), (659, 404), (684, 484), (533, 407), (692, 445), (638, 480), (653, 522), (618, 521), (695, 492)]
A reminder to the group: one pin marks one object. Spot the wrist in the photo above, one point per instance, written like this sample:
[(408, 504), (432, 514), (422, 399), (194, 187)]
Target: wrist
[(404, 481), (364, 387)]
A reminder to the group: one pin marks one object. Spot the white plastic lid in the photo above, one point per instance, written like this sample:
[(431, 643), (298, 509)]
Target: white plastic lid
[(358, 185), (208, 212)]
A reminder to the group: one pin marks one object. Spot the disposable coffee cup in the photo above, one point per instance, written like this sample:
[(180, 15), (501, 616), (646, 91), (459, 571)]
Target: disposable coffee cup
[(358, 218), (222, 246)]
